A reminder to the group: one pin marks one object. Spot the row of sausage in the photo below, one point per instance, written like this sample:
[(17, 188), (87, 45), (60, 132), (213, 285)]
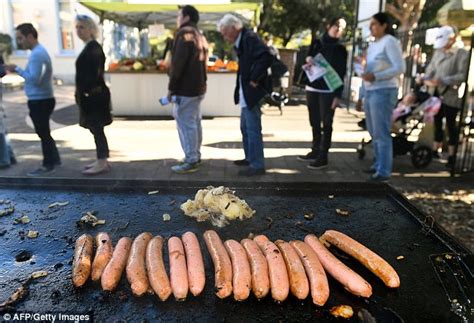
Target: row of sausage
[(255, 265)]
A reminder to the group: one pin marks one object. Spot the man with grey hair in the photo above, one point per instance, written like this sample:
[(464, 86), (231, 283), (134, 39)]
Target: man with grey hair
[(252, 85)]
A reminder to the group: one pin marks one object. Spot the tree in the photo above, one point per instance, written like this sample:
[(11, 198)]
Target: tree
[(407, 12), (285, 18)]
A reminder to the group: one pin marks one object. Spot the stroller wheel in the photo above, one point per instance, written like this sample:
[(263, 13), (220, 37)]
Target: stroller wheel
[(421, 156)]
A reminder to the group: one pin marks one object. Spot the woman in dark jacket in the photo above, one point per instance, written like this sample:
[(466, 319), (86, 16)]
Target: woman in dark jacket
[(321, 100), (92, 95)]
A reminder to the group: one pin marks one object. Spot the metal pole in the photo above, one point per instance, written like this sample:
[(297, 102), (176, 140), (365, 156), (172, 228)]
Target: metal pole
[(463, 109), (351, 67)]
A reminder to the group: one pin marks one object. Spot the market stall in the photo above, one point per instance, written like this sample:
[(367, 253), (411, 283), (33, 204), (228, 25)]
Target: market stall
[(136, 89)]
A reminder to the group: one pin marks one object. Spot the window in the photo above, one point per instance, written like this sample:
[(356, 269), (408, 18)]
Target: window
[(19, 14), (66, 25)]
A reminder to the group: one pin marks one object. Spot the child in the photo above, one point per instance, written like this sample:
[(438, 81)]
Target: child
[(7, 157)]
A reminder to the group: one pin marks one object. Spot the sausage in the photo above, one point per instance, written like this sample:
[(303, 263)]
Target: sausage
[(364, 255), (136, 268), (259, 268), (102, 254), (299, 285), (222, 264), (81, 266), (114, 269), (242, 279), (314, 270), (156, 270), (279, 282), (194, 262), (178, 270), (346, 276)]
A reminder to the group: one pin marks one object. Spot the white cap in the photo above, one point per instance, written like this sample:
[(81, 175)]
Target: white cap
[(442, 36)]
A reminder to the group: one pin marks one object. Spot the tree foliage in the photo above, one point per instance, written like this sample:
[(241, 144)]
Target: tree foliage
[(285, 18)]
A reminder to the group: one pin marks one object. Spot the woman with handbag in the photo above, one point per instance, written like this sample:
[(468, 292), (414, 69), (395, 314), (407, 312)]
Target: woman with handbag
[(322, 100), (92, 95)]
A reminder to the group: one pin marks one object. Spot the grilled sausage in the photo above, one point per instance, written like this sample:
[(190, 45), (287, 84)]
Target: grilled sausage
[(195, 263), (346, 276), (156, 270), (113, 271), (259, 268), (136, 268), (279, 283), (314, 270), (222, 264), (364, 255), (103, 254), (242, 279), (81, 266), (299, 285), (178, 270)]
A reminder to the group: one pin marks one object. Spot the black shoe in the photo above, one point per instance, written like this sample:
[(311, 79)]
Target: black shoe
[(251, 172), (376, 178), (319, 163), (241, 162), (309, 157), (435, 154)]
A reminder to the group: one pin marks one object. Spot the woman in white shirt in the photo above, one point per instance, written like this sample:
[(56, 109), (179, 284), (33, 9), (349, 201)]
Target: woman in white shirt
[(384, 65)]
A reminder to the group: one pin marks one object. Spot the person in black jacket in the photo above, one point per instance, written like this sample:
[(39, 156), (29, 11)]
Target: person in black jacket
[(321, 100), (252, 85), (92, 95)]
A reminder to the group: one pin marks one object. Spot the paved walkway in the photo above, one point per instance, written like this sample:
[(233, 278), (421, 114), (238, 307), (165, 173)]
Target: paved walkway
[(146, 149)]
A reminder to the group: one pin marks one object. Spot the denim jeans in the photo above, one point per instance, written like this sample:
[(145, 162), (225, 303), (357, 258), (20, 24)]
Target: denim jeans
[(378, 107), (187, 113), (40, 113), (251, 128)]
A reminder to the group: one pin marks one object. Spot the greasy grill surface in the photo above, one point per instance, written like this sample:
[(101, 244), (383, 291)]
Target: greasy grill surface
[(378, 218)]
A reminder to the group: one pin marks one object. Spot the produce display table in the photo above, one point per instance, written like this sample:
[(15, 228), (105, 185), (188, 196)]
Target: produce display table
[(137, 94)]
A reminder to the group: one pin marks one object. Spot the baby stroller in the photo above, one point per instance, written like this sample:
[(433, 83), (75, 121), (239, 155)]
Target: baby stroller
[(411, 113)]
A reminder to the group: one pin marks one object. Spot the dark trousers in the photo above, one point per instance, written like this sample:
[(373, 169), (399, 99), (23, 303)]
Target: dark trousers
[(450, 114), (320, 113), (102, 147), (40, 113)]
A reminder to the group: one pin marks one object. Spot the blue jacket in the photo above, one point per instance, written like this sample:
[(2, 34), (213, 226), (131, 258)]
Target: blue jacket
[(254, 61)]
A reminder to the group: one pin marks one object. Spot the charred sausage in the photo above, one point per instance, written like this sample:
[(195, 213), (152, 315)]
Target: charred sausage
[(346, 276), (259, 268), (103, 254), (136, 267), (299, 285), (156, 270), (81, 266), (314, 270), (178, 270), (242, 279), (114, 269), (364, 255), (279, 282), (194, 262), (222, 263)]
